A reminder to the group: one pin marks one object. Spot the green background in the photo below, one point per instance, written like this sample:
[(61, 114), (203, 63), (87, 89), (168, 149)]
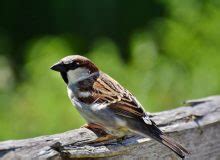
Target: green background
[(171, 54)]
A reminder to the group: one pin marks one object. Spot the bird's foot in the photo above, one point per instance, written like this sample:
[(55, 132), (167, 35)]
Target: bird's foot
[(107, 139), (103, 137)]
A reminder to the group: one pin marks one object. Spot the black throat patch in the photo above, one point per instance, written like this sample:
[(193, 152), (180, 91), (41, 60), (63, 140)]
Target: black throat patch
[(64, 76)]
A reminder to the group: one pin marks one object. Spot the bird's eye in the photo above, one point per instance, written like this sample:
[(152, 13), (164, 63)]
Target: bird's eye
[(77, 63)]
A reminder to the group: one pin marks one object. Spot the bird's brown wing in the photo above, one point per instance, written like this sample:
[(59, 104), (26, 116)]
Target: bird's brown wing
[(124, 104), (120, 100)]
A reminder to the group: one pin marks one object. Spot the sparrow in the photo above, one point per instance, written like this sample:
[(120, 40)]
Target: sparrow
[(107, 105)]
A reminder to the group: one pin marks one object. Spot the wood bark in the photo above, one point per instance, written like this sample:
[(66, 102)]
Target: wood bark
[(196, 125)]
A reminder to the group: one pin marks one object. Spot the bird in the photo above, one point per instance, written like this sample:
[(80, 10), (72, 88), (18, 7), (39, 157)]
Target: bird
[(108, 106)]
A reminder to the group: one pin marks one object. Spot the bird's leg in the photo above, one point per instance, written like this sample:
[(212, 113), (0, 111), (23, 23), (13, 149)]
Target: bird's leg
[(103, 140), (99, 131)]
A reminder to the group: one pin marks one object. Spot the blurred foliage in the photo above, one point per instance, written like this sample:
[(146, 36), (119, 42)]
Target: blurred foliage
[(173, 50)]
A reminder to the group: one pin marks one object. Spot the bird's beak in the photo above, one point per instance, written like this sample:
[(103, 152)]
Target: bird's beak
[(59, 67)]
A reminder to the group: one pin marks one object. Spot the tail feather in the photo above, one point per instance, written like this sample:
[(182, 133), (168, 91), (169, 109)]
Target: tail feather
[(177, 148), (172, 142), (154, 132)]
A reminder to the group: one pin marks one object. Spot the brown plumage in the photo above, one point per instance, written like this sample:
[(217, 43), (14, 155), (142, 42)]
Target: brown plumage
[(103, 101), (123, 104)]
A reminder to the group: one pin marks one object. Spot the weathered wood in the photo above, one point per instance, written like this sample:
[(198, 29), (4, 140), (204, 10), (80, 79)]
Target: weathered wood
[(197, 127)]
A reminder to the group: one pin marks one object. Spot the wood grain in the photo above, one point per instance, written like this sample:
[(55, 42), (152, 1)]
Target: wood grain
[(195, 125)]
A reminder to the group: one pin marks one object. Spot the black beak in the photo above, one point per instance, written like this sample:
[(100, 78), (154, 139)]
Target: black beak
[(59, 67)]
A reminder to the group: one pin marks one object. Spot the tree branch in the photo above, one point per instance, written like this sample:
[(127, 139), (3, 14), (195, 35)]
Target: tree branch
[(197, 127)]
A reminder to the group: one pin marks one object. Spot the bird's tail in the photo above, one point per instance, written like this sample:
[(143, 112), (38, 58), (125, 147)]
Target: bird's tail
[(154, 132), (174, 146)]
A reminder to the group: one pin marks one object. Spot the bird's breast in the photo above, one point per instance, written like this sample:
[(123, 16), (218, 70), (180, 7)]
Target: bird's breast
[(95, 112), (83, 101)]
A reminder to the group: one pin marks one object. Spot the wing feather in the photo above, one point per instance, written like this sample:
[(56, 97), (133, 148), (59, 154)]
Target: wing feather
[(120, 100)]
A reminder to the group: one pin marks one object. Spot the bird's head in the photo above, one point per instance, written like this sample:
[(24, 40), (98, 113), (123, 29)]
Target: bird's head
[(74, 68)]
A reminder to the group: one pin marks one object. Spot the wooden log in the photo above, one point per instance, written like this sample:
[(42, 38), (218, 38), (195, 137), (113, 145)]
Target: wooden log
[(195, 125)]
